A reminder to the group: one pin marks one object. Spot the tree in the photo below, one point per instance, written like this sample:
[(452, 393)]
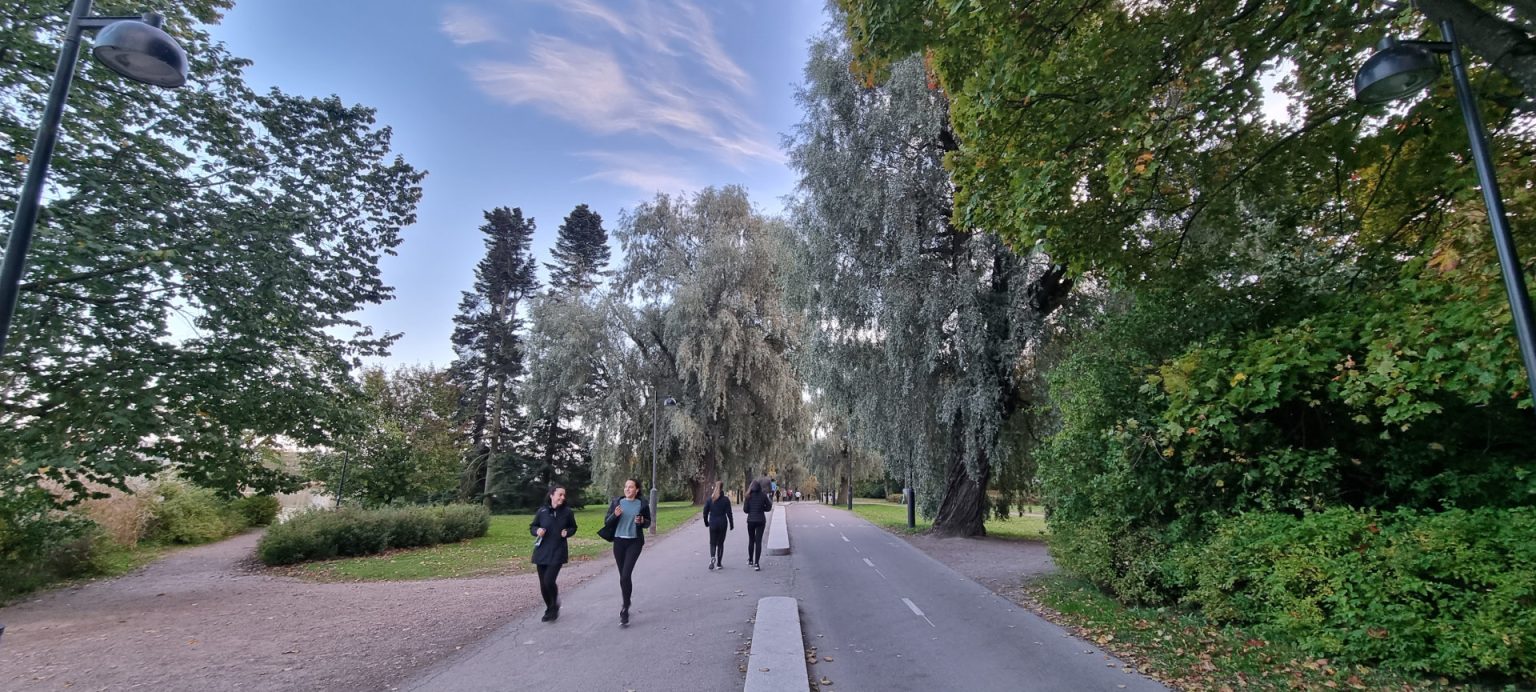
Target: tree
[(580, 253), (409, 450), (565, 373), (918, 323), (708, 267), (198, 265), (488, 345)]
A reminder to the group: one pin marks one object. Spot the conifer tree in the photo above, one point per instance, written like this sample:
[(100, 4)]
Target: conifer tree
[(488, 346)]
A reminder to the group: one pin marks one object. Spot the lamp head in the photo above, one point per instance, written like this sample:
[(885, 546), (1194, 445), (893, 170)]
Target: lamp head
[(141, 52), (1396, 71)]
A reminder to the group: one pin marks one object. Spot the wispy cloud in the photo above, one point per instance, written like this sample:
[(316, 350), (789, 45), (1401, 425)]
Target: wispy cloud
[(657, 69), (464, 25), (642, 173)]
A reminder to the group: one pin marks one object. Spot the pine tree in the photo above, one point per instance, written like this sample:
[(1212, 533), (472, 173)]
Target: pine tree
[(580, 253), (487, 344)]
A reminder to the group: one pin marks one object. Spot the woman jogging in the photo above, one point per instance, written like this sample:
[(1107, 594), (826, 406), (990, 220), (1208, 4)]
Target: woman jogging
[(757, 505), (629, 517), (718, 517), (551, 525)]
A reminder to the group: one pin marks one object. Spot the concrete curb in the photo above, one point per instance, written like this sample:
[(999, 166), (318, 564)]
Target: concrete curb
[(777, 663), (778, 531)]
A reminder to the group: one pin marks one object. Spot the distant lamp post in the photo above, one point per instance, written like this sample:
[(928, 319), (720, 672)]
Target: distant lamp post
[(1402, 68), (655, 414), (133, 47)]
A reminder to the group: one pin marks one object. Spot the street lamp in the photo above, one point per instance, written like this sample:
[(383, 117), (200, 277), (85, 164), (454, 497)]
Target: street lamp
[(133, 47), (1402, 68), (655, 414)]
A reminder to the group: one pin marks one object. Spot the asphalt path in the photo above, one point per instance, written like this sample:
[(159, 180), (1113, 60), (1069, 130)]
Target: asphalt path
[(889, 617), (892, 618), (689, 627)]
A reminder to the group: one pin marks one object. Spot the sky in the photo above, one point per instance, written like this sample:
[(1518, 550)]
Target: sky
[(539, 104)]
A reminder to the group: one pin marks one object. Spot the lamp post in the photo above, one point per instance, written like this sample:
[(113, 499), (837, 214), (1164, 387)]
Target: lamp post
[(135, 48), (655, 414), (1403, 68)]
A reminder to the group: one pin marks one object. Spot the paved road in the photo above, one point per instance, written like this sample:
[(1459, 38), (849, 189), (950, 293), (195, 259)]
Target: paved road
[(894, 619), (891, 618), (689, 627)]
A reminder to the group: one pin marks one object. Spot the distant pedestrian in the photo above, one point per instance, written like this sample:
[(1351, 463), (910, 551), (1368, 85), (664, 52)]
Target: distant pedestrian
[(718, 518), (551, 526), (797, 496), (629, 517), (756, 506)]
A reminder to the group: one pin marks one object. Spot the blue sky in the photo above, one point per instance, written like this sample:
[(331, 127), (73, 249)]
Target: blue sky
[(539, 104)]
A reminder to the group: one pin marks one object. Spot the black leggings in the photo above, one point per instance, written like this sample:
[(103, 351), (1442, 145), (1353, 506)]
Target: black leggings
[(547, 586), (717, 542), (755, 540), (626, 551)]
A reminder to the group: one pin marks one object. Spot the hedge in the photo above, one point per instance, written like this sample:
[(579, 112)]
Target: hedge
[(348, 533)]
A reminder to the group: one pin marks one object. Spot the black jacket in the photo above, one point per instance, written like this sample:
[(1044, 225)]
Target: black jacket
[(552, 550), (719, 511), (640, 527), (756, 506)]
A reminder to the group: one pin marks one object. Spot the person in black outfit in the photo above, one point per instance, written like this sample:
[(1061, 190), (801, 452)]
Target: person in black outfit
[(757, 505), (718, 517), (629, 516), (551, 525)]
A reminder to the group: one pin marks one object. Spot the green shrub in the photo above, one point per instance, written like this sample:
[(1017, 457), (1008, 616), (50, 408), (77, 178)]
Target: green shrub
[(256, 510), (189, 514), (1448, 593), (38, 542), (461, 522), (349, 533), (1122, 560)]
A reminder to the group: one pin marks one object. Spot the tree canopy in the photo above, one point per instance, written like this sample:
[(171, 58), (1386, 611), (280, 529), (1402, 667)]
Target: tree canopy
[(198, 264)]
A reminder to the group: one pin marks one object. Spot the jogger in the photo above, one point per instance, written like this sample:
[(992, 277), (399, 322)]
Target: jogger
[(757, 505), (629, 516), (719, 518), (551, 525)]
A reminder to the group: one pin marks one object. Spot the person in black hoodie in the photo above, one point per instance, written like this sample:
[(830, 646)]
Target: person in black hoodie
[(551, 525), (717, 518), (628, 515), (757, 505)]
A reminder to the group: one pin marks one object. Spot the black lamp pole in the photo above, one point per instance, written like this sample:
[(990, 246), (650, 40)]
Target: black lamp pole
[(1402, 68), (143, 53), (1509, 260)]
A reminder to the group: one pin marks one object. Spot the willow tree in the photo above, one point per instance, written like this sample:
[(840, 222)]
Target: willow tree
[(710, 266), (198, 265), (918, 323)]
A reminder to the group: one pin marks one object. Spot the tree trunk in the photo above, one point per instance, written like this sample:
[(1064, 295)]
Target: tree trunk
[(709, 471), (963, 511), (490, 459)]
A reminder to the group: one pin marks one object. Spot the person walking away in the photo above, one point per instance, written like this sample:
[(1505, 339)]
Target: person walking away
[(630, 516), (718, 518), (756, 506), (551, 526)]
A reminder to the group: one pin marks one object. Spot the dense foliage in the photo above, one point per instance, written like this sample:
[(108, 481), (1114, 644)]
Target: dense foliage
[(198, 264), (1279, 315)]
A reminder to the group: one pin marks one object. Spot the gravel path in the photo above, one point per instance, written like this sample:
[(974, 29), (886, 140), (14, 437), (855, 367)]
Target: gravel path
[(208, 618)]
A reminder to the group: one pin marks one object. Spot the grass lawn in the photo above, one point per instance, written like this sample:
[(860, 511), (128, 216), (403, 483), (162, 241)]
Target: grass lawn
[(505, 549), (894, 516)]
